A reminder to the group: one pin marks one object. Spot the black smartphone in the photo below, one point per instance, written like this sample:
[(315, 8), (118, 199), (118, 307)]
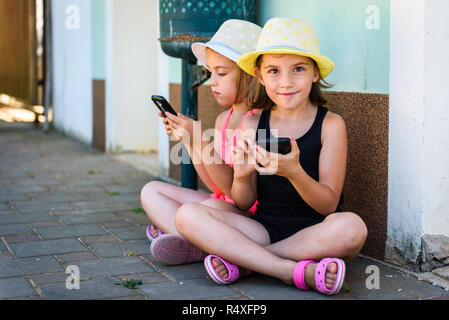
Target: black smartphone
[(283, 145), (163, 105)]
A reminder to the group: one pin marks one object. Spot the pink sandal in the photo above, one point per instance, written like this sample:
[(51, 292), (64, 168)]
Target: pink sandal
[(233, 270), (173, 249), (149, 234), (320, 275)]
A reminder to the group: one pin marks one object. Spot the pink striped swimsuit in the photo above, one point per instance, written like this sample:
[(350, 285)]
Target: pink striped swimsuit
[(226, 153)]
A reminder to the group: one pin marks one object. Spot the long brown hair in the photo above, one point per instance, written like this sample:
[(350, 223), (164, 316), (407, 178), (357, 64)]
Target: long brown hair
[(261, 100), (246, 86)]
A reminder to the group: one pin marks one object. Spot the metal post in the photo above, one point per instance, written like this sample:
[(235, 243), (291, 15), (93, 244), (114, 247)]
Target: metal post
[(48, 63), (189, 108)]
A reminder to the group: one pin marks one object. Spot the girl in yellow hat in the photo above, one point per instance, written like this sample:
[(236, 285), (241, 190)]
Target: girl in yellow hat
[(299, 233)]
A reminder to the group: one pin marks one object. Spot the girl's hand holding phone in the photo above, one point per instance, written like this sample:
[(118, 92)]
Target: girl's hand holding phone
[(276, 163), (181, 127), (243, 161), (168, 128)]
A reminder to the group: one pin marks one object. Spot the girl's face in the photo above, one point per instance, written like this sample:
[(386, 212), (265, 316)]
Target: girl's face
[(288, 78), (223, 80)]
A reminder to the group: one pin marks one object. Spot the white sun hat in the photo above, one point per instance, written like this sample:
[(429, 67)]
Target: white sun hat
[(233, 38)]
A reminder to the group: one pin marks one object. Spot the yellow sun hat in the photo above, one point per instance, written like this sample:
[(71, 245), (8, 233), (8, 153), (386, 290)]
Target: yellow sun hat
[(287, 36)]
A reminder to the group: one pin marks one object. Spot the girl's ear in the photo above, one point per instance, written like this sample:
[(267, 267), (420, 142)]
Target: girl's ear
[(258, 76), (316, 76)]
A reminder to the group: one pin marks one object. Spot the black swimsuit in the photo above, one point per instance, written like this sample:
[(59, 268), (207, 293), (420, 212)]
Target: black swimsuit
[(281, 210)]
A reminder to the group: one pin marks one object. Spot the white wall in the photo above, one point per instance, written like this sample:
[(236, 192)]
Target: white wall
[(72, 78), (436, 118), (418, 195), (131, 75)]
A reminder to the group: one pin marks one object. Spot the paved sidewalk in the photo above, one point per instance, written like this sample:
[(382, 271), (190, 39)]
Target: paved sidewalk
[(63, 204)]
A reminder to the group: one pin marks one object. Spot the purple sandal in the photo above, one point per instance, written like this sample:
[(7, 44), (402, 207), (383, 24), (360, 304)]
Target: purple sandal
[(173, 249), (320, 275), (233, 270), (149, 235)]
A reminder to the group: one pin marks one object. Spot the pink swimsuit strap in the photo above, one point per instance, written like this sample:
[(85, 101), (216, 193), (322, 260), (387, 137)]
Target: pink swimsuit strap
[(224, 126), (225, 145)]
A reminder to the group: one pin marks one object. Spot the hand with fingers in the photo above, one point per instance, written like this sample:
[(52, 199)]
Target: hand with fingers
[(243, 160), (276, 163), (168, 128), (181, 127)]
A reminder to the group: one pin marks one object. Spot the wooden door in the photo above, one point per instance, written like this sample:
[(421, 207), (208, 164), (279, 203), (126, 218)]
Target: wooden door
[(18, 57)]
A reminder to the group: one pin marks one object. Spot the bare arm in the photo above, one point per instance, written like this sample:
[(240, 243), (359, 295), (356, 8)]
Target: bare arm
[(201, 170), (244, 186), (219, 172), (186, 127), (324, 195)]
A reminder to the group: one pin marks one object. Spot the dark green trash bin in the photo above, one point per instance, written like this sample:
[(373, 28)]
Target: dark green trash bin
[(183, 22)]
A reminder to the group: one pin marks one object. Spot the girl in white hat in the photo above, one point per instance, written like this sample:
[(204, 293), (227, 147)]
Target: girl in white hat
[(231, 86), (299, 233)]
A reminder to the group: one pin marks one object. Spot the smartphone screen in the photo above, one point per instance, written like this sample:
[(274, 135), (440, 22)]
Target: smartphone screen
[(283, 145), (163, 105)]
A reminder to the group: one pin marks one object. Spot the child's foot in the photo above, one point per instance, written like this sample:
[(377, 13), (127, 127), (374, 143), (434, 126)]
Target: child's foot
[(221, 269), (154, 231), (223, 272), (331, 275)]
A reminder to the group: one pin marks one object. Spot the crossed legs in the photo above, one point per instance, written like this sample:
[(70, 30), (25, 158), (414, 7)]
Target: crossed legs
[(161, 200), (245, 242)]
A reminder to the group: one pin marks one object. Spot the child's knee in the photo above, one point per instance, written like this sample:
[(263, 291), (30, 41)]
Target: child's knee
[(150, 188), (350, 227), (185, 216)]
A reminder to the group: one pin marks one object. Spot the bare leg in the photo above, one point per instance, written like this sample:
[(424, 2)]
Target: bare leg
[(246, 243), (160, 201)]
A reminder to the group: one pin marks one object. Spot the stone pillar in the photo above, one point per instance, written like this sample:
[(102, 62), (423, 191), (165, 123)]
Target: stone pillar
[(418, 187)]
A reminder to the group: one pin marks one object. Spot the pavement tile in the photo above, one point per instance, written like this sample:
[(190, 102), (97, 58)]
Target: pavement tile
[(94, 289), (54, 198), (86, 219), (182, 272), (46, 247), (39, 224), (5, 197), (95, 239), (72, 231), (130, 233), (21, 267), (265, 288), (6, 212), (137, 218), (39, 206), (5, 255), (14, 229), (67, 258), (116, 224), (120, 249), (15, 287), (21, 238), (26, 218), (186, 290), (112, 266), (397, 288), (46, 278), (148, 277)]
